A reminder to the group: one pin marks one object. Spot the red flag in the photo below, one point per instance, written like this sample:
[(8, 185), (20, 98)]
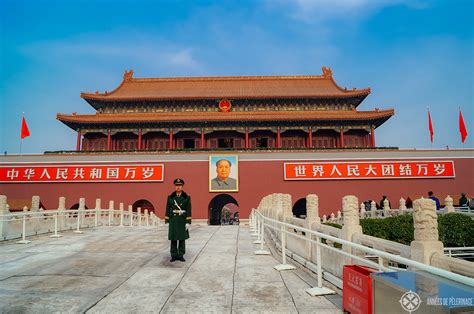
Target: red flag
[(430, 126), (24, 129), (462, 127)]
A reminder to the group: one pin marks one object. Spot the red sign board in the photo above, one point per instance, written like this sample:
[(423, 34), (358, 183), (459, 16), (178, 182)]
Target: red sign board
[(357, 289), (368, 170), (139, 172)]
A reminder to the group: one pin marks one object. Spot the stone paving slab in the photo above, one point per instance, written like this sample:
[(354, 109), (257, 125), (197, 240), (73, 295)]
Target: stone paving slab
[(128, 270)]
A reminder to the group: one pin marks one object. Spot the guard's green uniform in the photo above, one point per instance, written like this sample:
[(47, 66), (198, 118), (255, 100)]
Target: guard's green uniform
[(178, 214)]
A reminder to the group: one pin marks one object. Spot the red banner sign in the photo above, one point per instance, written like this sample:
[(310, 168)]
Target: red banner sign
[(368, 170), (140, 172)]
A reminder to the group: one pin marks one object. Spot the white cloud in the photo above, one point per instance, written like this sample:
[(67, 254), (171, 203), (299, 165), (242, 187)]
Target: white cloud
[(314, 11), (131, 49)]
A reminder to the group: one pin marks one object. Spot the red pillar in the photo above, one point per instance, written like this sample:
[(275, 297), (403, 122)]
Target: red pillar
[(310, 137), (78, 144), (246, 137), (109, 140), (171, 139), (341, 133), (372, 136), (139, 139), (279, 138), (203, 144)]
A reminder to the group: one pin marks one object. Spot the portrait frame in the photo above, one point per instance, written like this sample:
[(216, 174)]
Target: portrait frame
[(231, 183)]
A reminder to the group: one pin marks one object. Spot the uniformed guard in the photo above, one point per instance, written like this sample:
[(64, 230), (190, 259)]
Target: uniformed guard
[(178, 215)]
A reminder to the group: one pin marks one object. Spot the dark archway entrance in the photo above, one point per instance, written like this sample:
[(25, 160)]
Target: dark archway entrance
[(143, 204), (299, 209), (217, 204), (76, 206)]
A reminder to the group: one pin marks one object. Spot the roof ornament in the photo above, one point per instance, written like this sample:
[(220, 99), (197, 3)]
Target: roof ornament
[(127, 76), (327, 72)]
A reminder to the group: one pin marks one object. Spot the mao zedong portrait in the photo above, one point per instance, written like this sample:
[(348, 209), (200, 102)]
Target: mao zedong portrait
[(223, 181)]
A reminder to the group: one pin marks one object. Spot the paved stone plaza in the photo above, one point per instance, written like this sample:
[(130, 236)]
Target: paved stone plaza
[(123, 269)]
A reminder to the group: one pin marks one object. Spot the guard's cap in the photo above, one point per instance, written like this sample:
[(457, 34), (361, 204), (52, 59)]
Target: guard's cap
[(178, 181)]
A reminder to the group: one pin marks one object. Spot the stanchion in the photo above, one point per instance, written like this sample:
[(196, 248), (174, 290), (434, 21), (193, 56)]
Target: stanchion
[(78, 223), (262, 251), (319, 290), (121, 217), (55, 235), (23, 238), (257, 226), (283, 265)]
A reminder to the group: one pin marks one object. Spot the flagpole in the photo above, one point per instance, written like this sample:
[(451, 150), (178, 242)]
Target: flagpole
[(429, 117), (21, 138)]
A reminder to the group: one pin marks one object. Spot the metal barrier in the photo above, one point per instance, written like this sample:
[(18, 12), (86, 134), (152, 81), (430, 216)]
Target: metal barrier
[(258, 224), (460, 252), (95, 216)]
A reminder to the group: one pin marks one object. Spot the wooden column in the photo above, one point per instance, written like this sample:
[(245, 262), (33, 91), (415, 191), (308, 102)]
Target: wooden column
[(78, 144), (171, 139), (341, 133), (246, 137), (139, 139), (109, 140), (372, 136), (310, 137), (203, 144), (279, 138)]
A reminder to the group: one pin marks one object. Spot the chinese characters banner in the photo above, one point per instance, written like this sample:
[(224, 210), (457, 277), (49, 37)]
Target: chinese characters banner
[(368, 170), (82, 173)]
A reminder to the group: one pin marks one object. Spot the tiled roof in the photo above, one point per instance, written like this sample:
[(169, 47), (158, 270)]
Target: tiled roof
[(316, 115), (232, 87)]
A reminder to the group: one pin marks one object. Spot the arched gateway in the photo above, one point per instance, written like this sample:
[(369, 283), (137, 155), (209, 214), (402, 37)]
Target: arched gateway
[(143, 204), (216, 205)]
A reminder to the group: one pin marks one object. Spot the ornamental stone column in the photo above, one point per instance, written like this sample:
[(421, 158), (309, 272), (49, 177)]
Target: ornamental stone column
[(425, 221), (81, 209), (351, 220), (362, 211), (373, 209), (35, 207), (287, 211), (448, 204), (386, 208), (312, 210), (403, 205)]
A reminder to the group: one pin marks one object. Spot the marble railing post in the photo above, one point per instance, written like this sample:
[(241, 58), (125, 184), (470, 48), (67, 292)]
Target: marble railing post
[(121, 214), (139, 213), (111, 211), (351, 220), (81, 209), (373, 210), (287, 207), (147, 218), (362, 211), (62, 213), (35, 207), (425, 221), (386, 208), (130, 214), (3, 220), (448, 204), (403, 205), (98, 213), (312, 209)]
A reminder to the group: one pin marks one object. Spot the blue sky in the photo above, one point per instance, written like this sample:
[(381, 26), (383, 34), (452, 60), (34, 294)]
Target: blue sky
[(413, 54)]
